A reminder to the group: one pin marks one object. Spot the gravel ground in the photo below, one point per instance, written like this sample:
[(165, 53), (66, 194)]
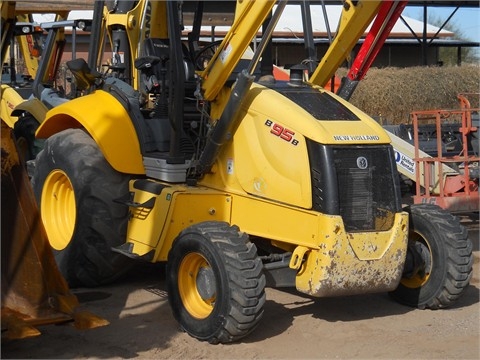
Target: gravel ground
[(294, 326)]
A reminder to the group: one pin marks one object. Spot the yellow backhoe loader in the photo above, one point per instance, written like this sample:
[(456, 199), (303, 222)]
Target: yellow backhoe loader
[(24, 103), (19, 30), (235, 180)]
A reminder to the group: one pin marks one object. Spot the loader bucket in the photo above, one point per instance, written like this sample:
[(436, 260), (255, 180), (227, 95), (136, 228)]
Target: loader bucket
[(33, 290)]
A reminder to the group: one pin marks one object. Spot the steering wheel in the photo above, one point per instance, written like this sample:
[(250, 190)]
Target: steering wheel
[(205, 54)]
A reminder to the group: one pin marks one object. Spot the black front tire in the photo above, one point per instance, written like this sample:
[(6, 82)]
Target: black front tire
[(440, 256), (215, 282), (75, 188)]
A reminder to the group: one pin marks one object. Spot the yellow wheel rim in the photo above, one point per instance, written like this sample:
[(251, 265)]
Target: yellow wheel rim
[(58, 209), (420, 279), (196, 285)]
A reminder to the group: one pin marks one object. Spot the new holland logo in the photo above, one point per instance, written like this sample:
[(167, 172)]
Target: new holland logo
[(362, 162)]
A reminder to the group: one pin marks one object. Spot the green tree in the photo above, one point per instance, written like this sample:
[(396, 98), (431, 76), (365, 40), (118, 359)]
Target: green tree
[(449, 55)]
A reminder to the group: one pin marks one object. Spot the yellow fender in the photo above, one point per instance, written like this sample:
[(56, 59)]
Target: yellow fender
[(107, 122), (8, 101)]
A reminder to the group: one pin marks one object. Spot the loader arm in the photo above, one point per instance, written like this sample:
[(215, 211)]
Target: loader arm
[(249, 16), (387, 16), (12, 13), (355, 17), (7, 25), (29, 47)]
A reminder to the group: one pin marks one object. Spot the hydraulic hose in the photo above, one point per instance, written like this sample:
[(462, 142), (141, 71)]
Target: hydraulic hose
[(228, 122)]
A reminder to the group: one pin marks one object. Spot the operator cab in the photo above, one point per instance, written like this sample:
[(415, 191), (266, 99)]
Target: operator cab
[(156, 89)]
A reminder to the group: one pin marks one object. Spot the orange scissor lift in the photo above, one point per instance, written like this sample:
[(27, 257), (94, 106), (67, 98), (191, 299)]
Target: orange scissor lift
[(454, 192)]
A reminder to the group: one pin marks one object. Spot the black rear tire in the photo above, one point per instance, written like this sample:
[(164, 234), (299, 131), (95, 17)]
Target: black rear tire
[(444, 259), (215, 282), (75, 188)]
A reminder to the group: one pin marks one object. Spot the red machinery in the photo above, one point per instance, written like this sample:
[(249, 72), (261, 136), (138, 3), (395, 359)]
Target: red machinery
[(453, 192)]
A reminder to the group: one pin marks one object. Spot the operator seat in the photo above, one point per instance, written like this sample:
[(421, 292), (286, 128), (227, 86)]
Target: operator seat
[(160, 48)]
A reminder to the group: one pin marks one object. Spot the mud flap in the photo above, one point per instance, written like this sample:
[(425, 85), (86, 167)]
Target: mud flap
[(33, 290)]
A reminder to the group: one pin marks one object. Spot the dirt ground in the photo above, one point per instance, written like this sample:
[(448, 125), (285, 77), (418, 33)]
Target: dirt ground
[(293, 327)]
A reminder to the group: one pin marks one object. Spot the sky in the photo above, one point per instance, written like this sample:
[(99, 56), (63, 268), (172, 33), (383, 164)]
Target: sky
[(467, 20)]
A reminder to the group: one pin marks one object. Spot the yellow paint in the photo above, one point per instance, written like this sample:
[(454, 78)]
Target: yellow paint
[(58, 209), (249, 16), (146, 225), (30, 60), (330, 261), (109, 125), (175, 209), (277, 221), (262, 164), (420, 278), (33, 106), (268, 166), (188, 271), (135, 23), (344, 265), (353, 22), (191, 207), (9, 100), (297, 257)]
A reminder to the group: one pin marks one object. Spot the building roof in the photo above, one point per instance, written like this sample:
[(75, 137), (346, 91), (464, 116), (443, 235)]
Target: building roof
[(290, 24), (50, 5)]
